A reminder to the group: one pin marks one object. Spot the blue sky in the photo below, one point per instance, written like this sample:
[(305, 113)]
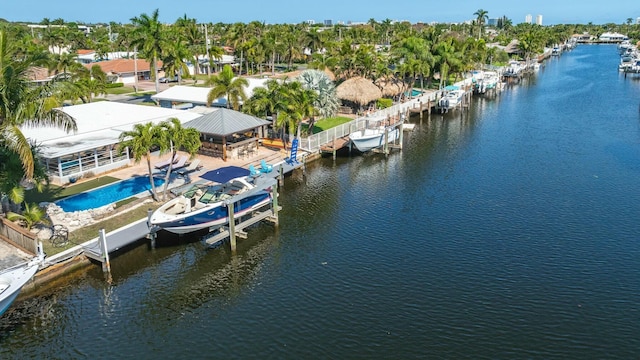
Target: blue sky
[(295, 11)]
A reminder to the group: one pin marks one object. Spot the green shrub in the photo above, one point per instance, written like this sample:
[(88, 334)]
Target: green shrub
[(384, 103), (114, 85)]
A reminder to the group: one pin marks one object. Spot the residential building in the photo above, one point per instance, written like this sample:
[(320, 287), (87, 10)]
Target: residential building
[(528, 18), (539, 20)]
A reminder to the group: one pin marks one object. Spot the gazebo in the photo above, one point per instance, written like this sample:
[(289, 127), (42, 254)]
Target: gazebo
[(228, 133), (358, 90)]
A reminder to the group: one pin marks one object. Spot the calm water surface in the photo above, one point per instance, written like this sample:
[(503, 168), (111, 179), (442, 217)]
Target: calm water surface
[(509, 232)]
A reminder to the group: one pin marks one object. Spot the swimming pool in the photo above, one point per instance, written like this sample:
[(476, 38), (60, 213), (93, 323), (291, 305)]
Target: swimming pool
[(414, 93), (108, 194)]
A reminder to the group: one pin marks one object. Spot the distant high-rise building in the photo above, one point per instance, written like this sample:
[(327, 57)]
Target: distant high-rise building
[(638, 21), (538, 19), (328, 23), (528, 18), (310, 22), (492, 22)]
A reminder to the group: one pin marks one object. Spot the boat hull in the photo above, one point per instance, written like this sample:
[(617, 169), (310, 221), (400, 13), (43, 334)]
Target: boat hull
[(12, 281), (368, 139), (212, 216)]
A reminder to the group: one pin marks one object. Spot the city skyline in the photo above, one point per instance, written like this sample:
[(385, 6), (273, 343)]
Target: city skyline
[(291, 11)]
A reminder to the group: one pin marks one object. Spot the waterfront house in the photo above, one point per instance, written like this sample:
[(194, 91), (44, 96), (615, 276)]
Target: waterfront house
[(92, 150)]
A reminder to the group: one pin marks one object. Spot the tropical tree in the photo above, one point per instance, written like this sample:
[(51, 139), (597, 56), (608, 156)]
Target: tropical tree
[(225, 84), (22, 104), (481, 18), (139, 141), (149, 38), (175, 137), (326, 102), (31, 215), (264, 101), (296, 104)]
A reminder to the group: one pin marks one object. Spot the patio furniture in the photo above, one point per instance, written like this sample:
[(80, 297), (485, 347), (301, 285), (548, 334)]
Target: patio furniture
[(264, 167), (193, 166), (164, 164)]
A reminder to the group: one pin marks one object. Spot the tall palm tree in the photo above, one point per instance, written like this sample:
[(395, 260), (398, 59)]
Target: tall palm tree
[(22, 104), (226, 84), (174, 138), (140, 140), (481, 18), (148, 37)]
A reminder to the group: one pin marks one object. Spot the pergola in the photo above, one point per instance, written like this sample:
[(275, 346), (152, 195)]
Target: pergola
[(228, 133)]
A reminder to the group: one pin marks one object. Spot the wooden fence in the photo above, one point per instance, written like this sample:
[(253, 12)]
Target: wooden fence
[(18, 236)]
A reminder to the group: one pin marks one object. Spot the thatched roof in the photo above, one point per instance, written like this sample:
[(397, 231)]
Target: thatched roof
[(513, 47), (358, 90), (391, 87)]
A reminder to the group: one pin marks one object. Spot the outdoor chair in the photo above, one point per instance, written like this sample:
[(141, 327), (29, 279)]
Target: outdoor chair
[(193, 166), (264, 167), (252, 171)]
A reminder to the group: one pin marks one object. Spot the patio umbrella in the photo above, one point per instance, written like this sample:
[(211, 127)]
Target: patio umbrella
[(358, 90), (224, 174)]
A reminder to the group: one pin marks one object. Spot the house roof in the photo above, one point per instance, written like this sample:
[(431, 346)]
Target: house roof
[(120, 66), (224, 122), (99, 124), (198, 95)]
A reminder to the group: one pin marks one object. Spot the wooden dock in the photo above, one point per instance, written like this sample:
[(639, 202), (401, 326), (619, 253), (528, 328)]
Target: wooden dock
[(335, 145)]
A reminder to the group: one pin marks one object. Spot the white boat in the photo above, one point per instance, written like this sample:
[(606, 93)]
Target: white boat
[(367, 139), (450, 100), (204, 207), (484, 81), (13, 279)]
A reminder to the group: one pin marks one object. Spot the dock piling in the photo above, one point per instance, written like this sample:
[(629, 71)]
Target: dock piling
[(232, 227), (106, 265)]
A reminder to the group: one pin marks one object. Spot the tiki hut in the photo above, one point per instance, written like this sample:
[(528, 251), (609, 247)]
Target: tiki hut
[(358, 90)]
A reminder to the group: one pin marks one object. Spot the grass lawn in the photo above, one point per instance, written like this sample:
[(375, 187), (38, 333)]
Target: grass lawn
[(328, 123), (87, 233), (52, 193), (120, 90)]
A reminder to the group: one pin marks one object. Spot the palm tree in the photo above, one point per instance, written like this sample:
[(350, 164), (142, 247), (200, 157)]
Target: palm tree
[(32, 215), (148, 38), (174, 138), (22, 104), (481, 19), (226, 84), (140, 140), (327, 101)]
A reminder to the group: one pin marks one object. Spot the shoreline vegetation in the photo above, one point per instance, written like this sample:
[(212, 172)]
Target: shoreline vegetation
[(405, 55)]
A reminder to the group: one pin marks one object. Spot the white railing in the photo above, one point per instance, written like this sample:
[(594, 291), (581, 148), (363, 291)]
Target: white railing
[(315, 141)]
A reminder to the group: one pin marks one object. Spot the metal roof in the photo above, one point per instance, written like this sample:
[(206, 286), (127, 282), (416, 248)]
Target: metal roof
[(99, 124), (224, 122)]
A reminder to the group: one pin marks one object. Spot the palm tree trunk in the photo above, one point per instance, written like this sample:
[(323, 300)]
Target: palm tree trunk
[(168, 175), (153, 66), (153, 184)]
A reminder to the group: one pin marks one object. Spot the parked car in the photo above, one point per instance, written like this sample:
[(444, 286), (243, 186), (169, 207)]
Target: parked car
[(168, 79)]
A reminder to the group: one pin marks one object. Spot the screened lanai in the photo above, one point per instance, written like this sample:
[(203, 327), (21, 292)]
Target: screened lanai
[(93, 149)]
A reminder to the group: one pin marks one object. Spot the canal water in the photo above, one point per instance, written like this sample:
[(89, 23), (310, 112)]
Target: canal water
[(511, 231)]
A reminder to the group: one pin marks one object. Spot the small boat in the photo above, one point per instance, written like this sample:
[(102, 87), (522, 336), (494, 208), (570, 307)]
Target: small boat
[(13, 279), (367, 139), (450, 100), (203, 207)]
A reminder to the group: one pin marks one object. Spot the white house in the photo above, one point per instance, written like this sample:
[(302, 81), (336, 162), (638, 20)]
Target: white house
[(92, 149)]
